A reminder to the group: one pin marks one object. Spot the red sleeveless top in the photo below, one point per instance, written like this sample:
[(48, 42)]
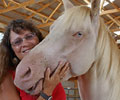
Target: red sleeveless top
[(58, 93)]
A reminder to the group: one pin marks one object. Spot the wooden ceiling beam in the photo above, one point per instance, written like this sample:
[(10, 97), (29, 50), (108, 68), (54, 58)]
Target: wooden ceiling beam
[(113, 19), (33, 11), (110, 21), (7, 17), (45, 32), (116, 22), (39, 10), (87, 2), (41, 4), (39, 14), (23, 15), (9, 3), (110, 25), (44, 25), (108, 15), (58, 6), (26, 3), (4, 3), (113, 30), (2, 29), (110, 11), (4, 23), (115, 6), (77, 2)]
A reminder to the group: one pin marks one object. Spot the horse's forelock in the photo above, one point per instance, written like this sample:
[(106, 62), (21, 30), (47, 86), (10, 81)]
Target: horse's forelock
[(76, 16)]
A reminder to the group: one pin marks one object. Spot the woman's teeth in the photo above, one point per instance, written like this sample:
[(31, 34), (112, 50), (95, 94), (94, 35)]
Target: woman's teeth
[(26, 51)]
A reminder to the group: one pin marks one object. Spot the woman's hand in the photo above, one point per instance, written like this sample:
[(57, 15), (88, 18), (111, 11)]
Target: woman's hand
[(52, 81)]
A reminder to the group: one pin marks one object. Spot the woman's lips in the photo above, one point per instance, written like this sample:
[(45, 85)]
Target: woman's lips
[(25, 51)]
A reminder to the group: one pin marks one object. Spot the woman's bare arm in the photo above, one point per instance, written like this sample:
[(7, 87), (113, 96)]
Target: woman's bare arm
[(8, 90)]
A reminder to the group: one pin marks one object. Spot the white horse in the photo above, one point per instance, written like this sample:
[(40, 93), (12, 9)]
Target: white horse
[(79, 36)]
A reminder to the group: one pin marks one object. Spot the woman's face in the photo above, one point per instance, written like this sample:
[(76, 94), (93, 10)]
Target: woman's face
[(23, 42)]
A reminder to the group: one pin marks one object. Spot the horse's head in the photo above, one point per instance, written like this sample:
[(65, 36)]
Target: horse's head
[(72, 38)]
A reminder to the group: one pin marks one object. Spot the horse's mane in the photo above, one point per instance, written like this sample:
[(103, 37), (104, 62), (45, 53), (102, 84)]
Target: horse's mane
[(107, 63)]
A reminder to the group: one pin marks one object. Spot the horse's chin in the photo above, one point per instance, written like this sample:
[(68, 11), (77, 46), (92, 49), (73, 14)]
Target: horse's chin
[(35, 90)]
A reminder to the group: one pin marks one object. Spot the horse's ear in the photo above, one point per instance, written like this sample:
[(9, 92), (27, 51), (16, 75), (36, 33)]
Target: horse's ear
[(67, 4), (95, 11)]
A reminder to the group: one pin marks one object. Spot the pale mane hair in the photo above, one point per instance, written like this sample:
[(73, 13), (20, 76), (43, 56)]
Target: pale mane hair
[(107, 62)]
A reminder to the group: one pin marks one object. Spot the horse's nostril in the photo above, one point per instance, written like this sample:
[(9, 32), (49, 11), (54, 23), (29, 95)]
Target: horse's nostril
[(27, 73), (30, 89)]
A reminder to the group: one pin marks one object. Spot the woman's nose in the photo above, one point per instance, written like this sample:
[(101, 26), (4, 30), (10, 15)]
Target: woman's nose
[(24, 42)]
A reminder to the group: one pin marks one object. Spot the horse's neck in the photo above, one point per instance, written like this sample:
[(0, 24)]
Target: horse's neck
[(92, 88), (102, 81)]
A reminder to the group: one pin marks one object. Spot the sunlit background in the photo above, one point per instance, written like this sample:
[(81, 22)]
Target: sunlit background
[(1, 36)]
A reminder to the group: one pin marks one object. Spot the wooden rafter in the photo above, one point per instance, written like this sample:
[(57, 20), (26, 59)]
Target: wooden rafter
[(41, 4), (77, 2), (2, 29), (39, 14), (87, 2), (42, 30), (117, 22), (110, 21), (110, 11), (53, 12), (109, 16), (26, 3), (44, 25), (33, 11), (39, 10), (113, 30), (110, 25), (6, 17), (115, 6), (5, 4), (2, 22), (20, 14)]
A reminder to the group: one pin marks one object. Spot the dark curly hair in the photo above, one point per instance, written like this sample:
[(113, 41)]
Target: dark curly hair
[(7, 55)]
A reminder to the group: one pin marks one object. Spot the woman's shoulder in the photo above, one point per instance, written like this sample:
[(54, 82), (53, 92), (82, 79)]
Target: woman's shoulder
[(7, 89), (7, 79)]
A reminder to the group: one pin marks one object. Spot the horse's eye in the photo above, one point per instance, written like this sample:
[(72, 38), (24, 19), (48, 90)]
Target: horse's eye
[(78, 34)]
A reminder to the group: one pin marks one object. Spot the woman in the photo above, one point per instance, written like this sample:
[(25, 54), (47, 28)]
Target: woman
[(19, 38)]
